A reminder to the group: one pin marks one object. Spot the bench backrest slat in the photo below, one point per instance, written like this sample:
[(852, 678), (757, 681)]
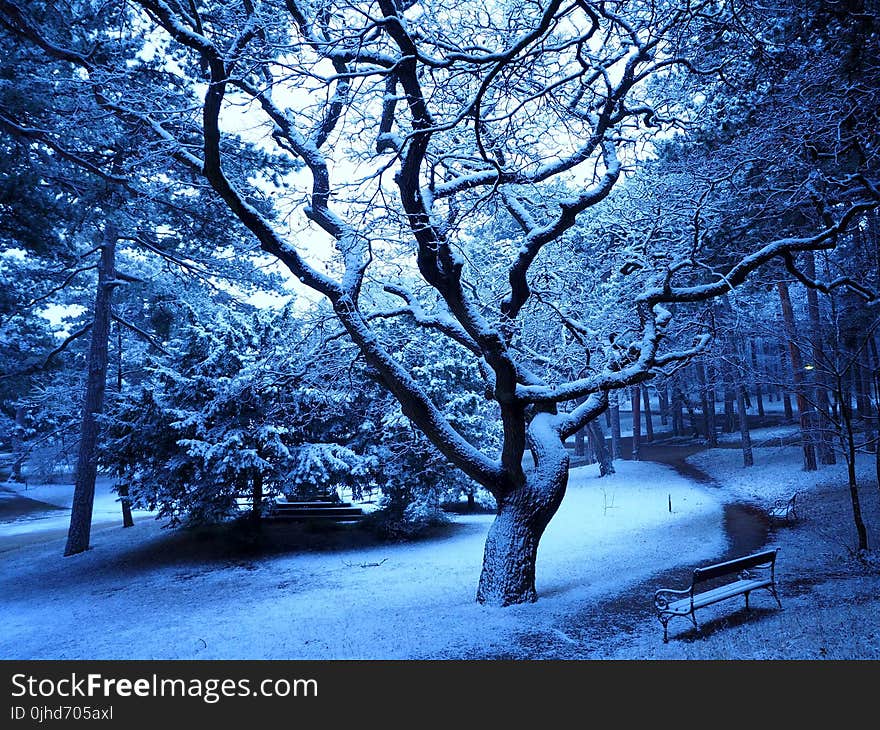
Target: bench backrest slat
[(767, 557)]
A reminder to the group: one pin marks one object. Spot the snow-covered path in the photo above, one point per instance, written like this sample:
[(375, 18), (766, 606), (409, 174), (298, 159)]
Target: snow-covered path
[(132, 596)]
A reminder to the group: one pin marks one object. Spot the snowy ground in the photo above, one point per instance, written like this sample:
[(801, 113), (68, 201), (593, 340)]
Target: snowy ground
[(145, 592), (106, 509)]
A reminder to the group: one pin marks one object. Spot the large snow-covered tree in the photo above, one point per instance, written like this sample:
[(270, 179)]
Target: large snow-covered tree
[(407, 130)]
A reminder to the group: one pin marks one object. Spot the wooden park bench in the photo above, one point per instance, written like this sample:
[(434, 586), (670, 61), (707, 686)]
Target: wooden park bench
[(713, 583), (328, 510), (784, 510)]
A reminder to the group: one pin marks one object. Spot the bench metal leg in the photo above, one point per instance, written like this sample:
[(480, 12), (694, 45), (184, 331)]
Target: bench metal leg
[(665, 622), (772, 589)]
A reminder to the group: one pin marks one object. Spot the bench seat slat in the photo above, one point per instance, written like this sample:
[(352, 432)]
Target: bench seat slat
[(683, 606)]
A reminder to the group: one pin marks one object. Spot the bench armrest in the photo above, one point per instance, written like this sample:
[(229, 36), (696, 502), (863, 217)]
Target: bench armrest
[(664, 596)]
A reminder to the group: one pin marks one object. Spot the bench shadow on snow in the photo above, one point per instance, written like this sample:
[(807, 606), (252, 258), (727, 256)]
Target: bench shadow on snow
[(738, 617), (237, 543)]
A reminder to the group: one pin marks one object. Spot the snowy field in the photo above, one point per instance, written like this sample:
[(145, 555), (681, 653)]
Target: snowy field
[(132, 597), (149, 593)]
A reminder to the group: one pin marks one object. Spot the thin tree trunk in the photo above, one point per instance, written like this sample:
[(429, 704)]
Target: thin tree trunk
[(863, 389), (649, 423), (677, 412), (798, 376), (846, 413), (729, 404), (786, 398), (769, 370), (86, 466), (257, 496), (704, 399), (614, 408), (635, 399), (18, 451), (663, 402), (871, 427), (757, 377), (692, 416), (748, 456), (823, 423), (579, 448), (711, 424), (877, 404), (600, 448), (121, 487)]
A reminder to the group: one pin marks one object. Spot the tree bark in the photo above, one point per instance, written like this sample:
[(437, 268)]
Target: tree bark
[(600, 448), (96, 381), (797, 368), (508, 574)]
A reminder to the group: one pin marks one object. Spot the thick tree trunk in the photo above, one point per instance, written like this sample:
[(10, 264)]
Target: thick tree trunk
[(797, 367), (649, 421), (600, 448), (635, 399), (508, 575), (86, 466), (823, 425)]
